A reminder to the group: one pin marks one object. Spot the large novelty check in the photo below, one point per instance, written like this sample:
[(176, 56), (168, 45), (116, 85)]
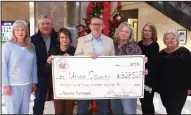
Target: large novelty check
[(103, 78)]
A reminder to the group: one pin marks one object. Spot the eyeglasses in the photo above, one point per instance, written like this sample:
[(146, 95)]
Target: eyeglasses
[(96, 24)]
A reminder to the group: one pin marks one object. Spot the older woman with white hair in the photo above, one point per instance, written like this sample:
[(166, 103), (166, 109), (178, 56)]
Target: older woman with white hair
[(19, 74), (125, 45), (173, 73)]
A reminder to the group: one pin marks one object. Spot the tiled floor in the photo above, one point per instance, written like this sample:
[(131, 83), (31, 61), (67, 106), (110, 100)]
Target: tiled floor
[(49, 108)]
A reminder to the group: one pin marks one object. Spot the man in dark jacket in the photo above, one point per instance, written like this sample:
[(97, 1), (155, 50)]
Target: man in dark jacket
[(44, 40)]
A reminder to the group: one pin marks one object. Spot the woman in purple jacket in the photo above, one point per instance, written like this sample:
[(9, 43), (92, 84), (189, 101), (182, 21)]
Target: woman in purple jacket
[(124, 45)]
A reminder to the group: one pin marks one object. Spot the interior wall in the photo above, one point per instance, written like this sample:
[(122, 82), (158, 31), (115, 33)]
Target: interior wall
[(12, 11), (146, 14)]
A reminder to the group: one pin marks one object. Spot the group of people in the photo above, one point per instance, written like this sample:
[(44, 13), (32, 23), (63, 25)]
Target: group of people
[(26, 67)]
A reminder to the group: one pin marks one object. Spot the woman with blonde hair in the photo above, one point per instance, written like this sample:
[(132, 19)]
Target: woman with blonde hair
[(173, 73), (125, 45), (150, 48), (19, 74)]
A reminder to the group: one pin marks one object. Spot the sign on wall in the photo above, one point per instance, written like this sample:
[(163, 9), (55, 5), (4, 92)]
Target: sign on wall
[(6, 27)]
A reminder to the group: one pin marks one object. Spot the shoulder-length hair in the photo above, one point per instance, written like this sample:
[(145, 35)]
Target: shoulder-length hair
[(154, 32), (116, 36), (21, 23)]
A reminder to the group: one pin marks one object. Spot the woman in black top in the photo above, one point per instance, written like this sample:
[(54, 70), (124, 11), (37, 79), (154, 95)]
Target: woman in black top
[(62, 107), (173, 73), (150, 48)]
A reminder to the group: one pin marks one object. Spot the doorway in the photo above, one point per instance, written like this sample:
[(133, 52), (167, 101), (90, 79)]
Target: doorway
[(132, 17)]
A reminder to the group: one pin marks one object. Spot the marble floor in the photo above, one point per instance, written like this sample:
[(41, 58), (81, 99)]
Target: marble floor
[(49, 108)]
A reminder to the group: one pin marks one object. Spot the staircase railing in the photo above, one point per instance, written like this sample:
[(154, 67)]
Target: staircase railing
[(180, 12)]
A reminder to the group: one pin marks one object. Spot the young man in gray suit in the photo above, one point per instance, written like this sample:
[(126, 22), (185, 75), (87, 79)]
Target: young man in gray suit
[(94, 44)]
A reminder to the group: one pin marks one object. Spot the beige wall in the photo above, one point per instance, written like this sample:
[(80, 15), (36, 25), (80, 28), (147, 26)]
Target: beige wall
[(148, 14), (12, 11)]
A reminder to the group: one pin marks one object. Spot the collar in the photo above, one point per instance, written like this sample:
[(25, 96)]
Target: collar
[(93, 38)]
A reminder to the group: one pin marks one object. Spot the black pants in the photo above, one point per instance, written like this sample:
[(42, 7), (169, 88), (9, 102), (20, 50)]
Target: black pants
[(173, 103), (147, 103), (40, 97)]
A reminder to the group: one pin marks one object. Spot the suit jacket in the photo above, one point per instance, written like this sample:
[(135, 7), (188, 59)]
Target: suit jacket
[(42, 54), (84, 46)]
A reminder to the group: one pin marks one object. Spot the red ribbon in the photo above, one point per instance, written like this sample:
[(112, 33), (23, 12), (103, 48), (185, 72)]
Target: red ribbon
[(89, 9), (106, 16), (119, 4)]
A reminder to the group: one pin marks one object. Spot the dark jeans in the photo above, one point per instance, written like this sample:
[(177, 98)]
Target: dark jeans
[(101, 106), (40, 97), (116, 106), (147, 103)]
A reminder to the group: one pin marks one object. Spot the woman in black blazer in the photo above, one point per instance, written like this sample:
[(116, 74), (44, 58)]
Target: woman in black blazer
[(62, 107)]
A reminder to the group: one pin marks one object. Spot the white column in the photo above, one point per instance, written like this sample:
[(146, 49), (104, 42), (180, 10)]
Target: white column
[(32, 18)]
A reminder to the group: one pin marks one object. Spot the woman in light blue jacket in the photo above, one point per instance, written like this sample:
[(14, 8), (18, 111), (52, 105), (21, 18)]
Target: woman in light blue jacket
[(19, 74)]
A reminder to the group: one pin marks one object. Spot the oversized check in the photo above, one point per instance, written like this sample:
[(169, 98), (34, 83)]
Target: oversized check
[(103, 78)]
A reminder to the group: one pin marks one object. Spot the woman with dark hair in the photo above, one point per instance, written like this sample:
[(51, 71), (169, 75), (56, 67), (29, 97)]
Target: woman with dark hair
[(62, 107), (150, 48)]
